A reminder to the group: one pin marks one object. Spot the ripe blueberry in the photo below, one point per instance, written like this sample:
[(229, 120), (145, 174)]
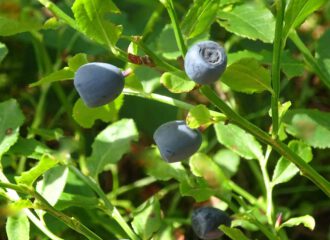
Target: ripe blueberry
[(205, 62), (206, 220), (98, 83), (176, 141)]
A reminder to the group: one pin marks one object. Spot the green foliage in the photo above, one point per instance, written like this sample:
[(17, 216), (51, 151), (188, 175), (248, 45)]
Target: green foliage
[(312, 126), (11, 118), (147, 218), (307, 220), (250, 20), (3, 51), (71, 176), (323, 56), (28, 178), (203, 166), (239, 141), (52, 184), (228, 161), (86, 116), (90, 18), (177, 82), (9, 26), (198, 116), (18, 227), (110, 145), (247, 76), (233, 233), (200, 17), (297, 11), (67, 73), (285, 170)]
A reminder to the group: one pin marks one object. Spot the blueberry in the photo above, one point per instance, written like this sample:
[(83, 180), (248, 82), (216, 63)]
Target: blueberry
[(206, 220), (205, 62), (98, 83), (176, 141)]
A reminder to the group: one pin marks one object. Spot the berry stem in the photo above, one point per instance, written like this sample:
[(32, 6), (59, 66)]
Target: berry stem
[(127, 72), (170, 101)]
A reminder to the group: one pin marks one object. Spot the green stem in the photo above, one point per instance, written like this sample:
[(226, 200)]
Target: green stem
[(59, 13), (175, 23), (69, 221), (261, 227), (250, 198), (41, 225), (170, 101), (268, 186), (254, 166), (137, 184), (309, 58), (276, 65), (277, 145), (115, 177), (110, 209), (12, 195)]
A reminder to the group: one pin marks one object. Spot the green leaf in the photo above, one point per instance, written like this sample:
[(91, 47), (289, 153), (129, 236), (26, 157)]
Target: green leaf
[(68, 200), (166, 43), (76, 61), (237, 56), (290, 66), (60, 75), (66, 73), (297, 11), (91, 19), (10, 26), (247, 76), (233, 233), (200, 17), (18, 227), (177, 82), (323, 56), (238, 140), (312, 126), (199, 115), (53, 183), (29, 148), (161, 170), (46, 162), (228, 161), (16, 207), (147, 218), (148, 77), (3, 51), (196, 187), (229, 2), (111, 144), (203, 166), (285, 170), (86, 116), (11, 118), (250, 20), (307, 220)]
